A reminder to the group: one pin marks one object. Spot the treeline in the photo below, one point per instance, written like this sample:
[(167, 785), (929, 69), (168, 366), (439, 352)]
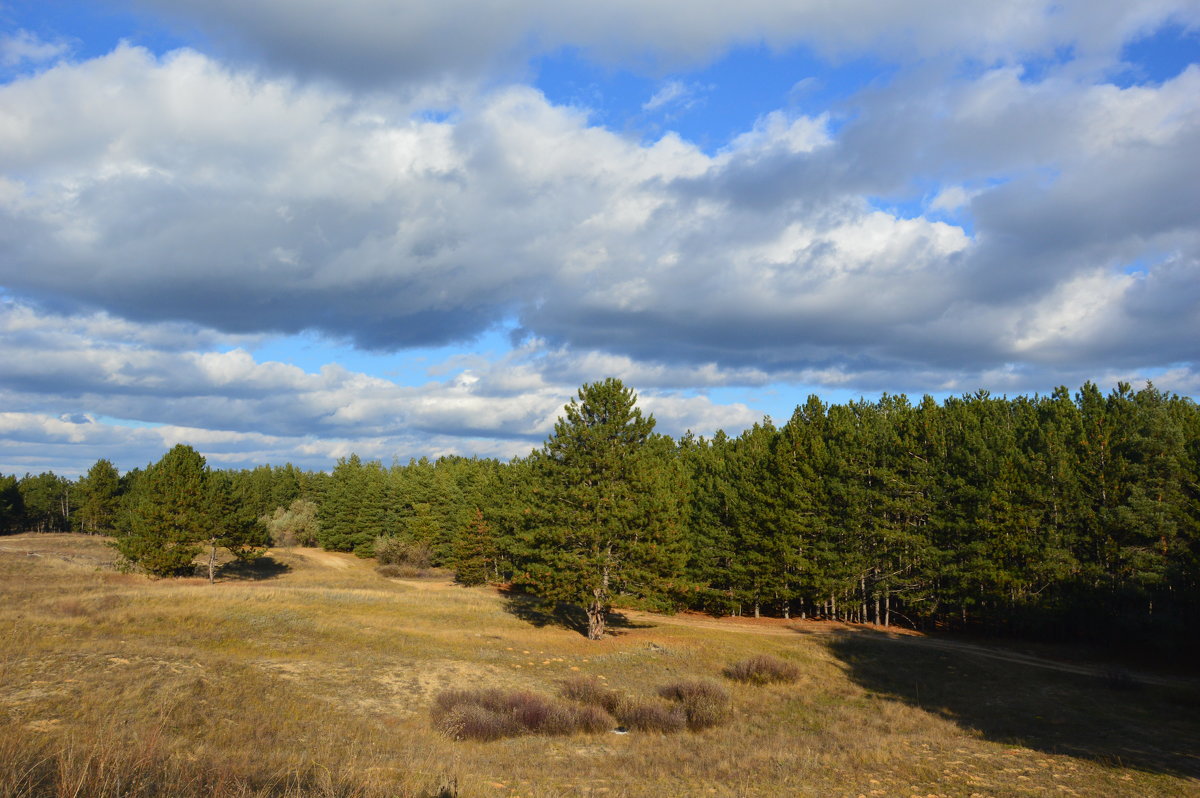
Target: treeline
[(1065, 516)]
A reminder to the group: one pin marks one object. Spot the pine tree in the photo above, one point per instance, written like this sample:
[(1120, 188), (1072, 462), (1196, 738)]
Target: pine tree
[(99, 497), (168, 518), (611, 506), (475, 554)]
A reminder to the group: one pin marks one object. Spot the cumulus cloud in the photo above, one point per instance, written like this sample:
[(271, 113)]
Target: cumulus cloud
[(967, 221), (178, 190)]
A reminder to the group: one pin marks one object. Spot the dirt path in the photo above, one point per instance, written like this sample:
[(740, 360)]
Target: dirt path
[(328, 559), (779, 628)]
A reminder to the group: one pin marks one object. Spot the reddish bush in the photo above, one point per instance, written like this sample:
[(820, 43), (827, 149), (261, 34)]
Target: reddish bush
[(705, 704), (763, 669)]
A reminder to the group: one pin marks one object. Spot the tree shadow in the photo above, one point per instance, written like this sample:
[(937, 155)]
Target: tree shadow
[(265, 567), (1115, 719), (541, 613)]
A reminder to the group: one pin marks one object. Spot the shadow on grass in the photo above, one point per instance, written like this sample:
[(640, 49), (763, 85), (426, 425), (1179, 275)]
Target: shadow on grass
[(1115, 721), (541, 612), (253, 570)]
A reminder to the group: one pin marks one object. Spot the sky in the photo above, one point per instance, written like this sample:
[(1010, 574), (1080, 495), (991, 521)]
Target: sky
[(292, 230)]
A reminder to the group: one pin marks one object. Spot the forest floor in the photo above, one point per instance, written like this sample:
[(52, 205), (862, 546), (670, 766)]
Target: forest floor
[(311, 674)]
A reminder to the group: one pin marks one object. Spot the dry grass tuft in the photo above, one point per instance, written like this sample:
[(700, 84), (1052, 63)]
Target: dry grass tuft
[(763, 669)]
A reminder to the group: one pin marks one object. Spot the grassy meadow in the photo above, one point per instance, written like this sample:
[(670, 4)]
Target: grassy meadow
[(311, 674)]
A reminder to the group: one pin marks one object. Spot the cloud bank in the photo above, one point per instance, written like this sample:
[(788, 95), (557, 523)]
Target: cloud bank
[(998, 212)]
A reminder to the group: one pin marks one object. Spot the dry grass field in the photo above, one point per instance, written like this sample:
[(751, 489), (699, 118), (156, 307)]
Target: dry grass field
[(311, 674)]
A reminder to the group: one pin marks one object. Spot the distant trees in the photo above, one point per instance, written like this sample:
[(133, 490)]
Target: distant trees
[(1070, 514), (99, 494), (12, 507)]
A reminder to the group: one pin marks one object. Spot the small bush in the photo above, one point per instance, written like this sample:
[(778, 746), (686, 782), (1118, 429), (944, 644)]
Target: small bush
[(592, 720), (640, 714), (492, 714), (591, 691), (391, 550), (475, 722), (705, 704), (295, 525), (763, 669)]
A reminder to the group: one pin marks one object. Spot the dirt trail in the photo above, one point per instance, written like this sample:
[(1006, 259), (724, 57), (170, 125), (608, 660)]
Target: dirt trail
[(778, 628), (328, 559)]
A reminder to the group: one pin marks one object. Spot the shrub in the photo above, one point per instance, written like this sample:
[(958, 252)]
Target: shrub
[(763, 669), (705, 704), (400, 571), (492, 714), (391, 550), (590, 691), (650, 715), (475, 722), (295, 525)]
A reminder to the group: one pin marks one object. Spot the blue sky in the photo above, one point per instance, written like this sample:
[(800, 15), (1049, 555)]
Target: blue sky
[(287, 231)]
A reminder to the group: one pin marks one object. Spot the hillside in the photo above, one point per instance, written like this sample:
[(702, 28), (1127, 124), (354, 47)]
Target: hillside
[(310, 674)]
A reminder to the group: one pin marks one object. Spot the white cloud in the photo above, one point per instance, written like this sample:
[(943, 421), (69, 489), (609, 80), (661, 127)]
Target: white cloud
[(23, 46), (178, 189)]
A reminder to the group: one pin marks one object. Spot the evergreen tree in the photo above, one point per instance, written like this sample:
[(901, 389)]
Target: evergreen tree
[(168, 518), (475, 557), (99, 495), (611, 506), (12, 508)]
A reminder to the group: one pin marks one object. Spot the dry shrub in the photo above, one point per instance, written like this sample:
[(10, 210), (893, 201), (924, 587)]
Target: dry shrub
[(592, 720), (590, 691), (650, 715), (492, 714), (705, 704), (391, 550), (475, 722), (763, 669)]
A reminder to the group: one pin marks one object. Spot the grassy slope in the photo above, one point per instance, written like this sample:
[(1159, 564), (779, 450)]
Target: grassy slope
[(316, 679)]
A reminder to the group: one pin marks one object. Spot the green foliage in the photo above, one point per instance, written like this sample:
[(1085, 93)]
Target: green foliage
[(168, 515), (294, 525), (354, 511), (608, 506), (99, 498), (46, 500), (12, 506), (178, 508), (475, 558)]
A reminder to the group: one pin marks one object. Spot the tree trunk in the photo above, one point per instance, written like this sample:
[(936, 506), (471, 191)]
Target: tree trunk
[(212, 562), (887, 608), (596, 612)]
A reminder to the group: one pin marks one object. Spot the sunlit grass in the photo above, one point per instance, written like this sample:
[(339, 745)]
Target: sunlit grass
[(320, 679)]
